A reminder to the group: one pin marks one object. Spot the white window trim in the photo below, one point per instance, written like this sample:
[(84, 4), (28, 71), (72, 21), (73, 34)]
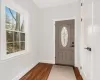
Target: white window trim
[(3, 46)]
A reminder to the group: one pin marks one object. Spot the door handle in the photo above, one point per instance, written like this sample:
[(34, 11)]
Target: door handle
[(72, 46), (88, 48)]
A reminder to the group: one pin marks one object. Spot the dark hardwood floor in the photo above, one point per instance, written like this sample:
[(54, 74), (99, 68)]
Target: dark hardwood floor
[(39, 72), (42, 70), (77, 74)]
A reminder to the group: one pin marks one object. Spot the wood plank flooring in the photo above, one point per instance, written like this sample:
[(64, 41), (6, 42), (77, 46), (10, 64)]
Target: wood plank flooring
[(39, 72), (42, 70), (77, 74)]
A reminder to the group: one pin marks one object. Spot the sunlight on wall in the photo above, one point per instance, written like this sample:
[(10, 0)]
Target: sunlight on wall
[(90, 30)]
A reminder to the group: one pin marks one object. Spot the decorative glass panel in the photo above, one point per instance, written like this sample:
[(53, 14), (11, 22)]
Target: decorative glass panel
[(64, 36)]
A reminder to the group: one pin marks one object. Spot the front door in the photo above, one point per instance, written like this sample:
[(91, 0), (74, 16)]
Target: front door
[(64, 42)]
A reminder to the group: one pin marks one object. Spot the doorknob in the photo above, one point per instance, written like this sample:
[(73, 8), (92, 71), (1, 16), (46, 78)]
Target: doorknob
[(72, 42), (72, 46), (88, 48)]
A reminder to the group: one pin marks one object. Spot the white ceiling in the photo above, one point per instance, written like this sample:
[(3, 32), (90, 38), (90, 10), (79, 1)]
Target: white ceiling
[(51, 3)]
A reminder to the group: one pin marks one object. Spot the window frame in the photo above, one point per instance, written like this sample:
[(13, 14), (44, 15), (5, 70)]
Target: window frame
[(3, 41)]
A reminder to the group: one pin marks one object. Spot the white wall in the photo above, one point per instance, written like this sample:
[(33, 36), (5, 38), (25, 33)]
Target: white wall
[(47, 31), (10, 68), (96, 44), (92, 17), (86, 39)]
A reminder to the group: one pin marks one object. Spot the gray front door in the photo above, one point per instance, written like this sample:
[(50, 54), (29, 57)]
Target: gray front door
[(64, 42)]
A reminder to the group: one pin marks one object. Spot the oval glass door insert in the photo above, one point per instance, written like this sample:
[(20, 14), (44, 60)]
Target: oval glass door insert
[(64, 36)]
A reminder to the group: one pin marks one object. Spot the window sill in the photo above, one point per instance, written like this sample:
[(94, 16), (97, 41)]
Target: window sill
[(8, 56)]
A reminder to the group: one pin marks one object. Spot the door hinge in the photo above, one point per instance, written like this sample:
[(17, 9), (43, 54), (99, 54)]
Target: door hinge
[(81, 19), (81, 4), (81, 67)]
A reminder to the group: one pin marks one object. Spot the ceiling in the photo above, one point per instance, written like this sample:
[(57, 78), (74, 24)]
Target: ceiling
[(51, 3)]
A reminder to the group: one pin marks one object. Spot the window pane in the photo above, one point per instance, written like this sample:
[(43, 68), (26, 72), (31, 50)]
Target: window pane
[(17, 22), (16, 36), (10, 18), (22, 36), (9, 36), (21, 23), (22, 45), (16, 46), (9, 48)]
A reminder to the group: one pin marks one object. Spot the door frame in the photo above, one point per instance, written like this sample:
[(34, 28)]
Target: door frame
[(75, 40)]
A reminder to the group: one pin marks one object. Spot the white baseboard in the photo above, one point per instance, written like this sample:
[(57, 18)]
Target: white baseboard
[(47, 61), (83, 75), (23, 72)]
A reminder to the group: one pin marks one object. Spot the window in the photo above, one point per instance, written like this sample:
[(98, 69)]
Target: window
[(14, 30), (15, 35)]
